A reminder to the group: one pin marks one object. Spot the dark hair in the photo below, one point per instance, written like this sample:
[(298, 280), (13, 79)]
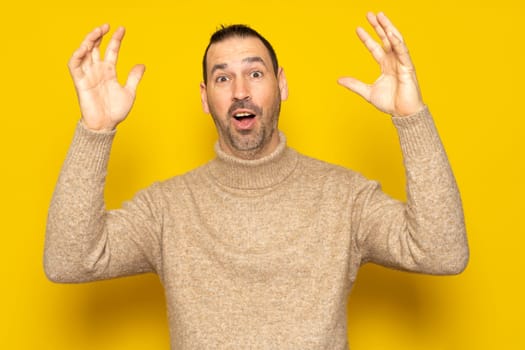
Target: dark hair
[(241, 31)]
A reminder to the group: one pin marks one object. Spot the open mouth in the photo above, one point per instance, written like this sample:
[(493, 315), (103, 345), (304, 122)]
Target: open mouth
[(243, 116), (244, 120)]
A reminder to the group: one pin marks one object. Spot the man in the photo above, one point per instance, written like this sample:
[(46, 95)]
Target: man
[(258, 248)]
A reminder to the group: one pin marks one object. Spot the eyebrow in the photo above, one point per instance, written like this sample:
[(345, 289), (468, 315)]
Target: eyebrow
[(218, 66), (253, 59), (250, 59)]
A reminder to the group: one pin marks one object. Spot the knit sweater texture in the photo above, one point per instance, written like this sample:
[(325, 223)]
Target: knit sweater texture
[(257, 254)]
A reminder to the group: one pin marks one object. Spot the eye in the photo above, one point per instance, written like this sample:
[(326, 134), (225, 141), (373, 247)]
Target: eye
[(221, 79), (256, 74)]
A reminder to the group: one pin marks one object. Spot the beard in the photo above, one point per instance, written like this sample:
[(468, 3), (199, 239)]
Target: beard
[(248, 140), (248, 143)]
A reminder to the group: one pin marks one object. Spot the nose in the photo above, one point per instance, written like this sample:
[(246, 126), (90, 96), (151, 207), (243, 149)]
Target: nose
[(240, 90)]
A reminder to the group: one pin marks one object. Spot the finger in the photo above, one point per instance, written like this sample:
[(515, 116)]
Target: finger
[(356, 86), (95, 36), (95, 52), (75, 62), (372, 19), (375, 49), (400, 49), (387, 25), (114, 45), (134, 77), (91, 41), (396, 39)]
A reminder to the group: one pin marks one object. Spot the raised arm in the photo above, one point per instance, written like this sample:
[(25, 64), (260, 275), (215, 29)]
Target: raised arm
[(427, 233), (84, 242)]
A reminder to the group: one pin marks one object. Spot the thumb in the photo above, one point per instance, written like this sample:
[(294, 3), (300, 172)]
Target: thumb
[(356, 86), (134, 77)]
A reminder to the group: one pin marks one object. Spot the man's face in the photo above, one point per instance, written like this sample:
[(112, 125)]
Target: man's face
[(243, 95)]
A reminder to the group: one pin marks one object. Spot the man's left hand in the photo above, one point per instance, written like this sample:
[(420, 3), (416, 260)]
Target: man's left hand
[(396, 91)]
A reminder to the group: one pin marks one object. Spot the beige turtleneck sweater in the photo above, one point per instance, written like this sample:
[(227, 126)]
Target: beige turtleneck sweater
[(257, 254)]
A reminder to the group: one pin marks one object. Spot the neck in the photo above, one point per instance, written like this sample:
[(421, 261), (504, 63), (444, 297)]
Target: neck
[(266, 171)]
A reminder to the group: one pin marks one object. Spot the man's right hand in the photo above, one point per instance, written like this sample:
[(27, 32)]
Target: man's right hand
[(104, 103)]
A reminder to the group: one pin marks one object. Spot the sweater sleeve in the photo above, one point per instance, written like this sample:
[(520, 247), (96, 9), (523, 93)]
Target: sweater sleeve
[(84, 242), (427, 233)]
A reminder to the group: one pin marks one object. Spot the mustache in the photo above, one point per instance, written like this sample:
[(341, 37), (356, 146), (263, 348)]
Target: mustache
[(244, 104)]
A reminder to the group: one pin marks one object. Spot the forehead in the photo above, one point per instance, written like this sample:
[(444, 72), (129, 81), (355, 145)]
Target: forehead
[(233, 50)]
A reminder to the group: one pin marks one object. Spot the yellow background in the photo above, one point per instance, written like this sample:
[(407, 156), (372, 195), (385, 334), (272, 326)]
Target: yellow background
[(470, 60)]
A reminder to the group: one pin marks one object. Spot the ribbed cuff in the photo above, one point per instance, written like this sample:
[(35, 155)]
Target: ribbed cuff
[(418, 135), (90, 150)]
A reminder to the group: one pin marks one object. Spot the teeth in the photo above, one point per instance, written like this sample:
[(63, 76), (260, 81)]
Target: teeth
[(240, 115)]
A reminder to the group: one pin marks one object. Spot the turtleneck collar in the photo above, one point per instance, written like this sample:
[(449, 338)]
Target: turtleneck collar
[(260, 173)]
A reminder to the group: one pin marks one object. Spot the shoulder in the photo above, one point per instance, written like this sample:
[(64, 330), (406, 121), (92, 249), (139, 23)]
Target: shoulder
[(319, 171), (320, 168), (180, 181)]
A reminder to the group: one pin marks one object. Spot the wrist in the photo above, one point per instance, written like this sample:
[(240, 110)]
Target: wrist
[(97, 127), (408, 111)]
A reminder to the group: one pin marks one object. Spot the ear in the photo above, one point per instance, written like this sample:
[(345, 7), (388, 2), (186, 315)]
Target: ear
[(204, 98), (283, 84)]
